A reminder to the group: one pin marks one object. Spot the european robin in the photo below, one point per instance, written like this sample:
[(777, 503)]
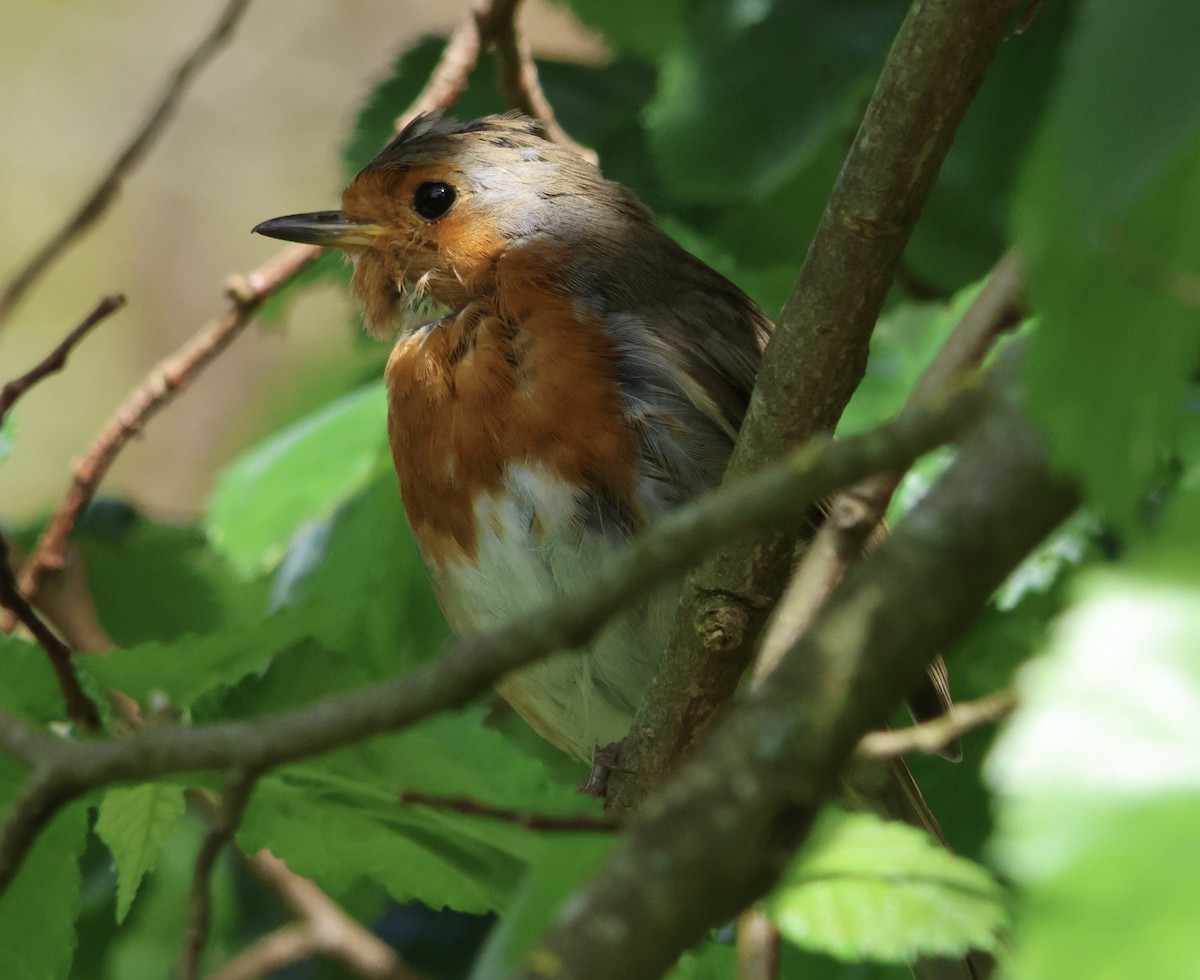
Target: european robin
[(589, 376)]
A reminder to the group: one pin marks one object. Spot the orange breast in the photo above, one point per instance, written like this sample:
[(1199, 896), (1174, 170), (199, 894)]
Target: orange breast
[(535, 383)]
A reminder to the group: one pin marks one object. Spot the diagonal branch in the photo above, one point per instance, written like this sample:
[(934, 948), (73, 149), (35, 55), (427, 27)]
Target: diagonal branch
[(855, 514), (720, 834), (815, 361), (225, 822), (932, 736), (106, 190), (472, 664), (517, 72), (56, 360), (80, 708), (157, 390)]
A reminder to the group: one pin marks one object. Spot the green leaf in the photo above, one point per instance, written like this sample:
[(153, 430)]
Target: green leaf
[(865, 888), (564, 861), (194, 666), (1104, 214), (38, 910), (711, 961), (28, 688), (632, 27), (360, 583), (134, 822), (297, 476), (338, 818), (1099, 783), (716, 137), (148, 943), (8, 435), (157, 582)]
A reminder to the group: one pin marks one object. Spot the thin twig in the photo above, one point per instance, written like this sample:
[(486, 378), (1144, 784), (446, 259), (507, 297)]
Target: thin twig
[(758, 946), (154, 392), (225, 823), (335, 934), (517, 73), (605, 823), (449, 78), (288, 944), (934, 735), (98, 201), (472, 664), (56, 360), (856, 514), (80, 708)]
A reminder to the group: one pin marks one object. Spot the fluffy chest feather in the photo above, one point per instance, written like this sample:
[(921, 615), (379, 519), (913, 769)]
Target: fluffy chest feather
[(520, 477)]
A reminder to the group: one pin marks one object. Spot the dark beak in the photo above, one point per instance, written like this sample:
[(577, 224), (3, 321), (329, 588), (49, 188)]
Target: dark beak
[(331, 228)]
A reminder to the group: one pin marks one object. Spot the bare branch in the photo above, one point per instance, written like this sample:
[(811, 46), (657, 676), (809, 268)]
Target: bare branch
[(225, 823), (80, 708), (517, 72), (933, 736), (98, 201), (815, 361), (758, 945), (334, 934), (472, 664), (856, 514), (56, 360), (449, 79), (530, 821), (286, 945), (158, 388)]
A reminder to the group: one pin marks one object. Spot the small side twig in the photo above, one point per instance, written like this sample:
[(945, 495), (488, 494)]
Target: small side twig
[(933, 736), (80, 708), (607, 823), (224, 825), (517, 72), (155, 391), (334, 934), (98, 201), (288, 944), (56, 360), (856, 514)]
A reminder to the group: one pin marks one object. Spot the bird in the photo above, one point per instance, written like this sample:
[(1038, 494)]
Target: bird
[(588, 376)]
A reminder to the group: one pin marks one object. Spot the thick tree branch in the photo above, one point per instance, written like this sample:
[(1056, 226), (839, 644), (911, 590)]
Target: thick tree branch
[(720, 834), (815, 360), (472, 664), (106, 190)]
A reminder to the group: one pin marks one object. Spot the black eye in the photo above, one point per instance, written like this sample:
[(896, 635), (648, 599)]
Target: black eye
[(433, 198)]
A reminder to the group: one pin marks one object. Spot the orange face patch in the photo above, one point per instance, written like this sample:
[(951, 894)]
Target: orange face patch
[(478, 391), (453, 257)]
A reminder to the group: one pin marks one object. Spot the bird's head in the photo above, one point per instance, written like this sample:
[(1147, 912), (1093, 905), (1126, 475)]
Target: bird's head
[(448, 208)]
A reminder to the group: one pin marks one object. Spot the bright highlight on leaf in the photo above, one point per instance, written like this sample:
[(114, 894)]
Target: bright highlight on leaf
[(297, 476), (1099, 782), (134, 821), (866, 888)]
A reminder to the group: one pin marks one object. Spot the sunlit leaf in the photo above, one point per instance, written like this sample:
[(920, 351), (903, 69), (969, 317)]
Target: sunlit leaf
[(134, 822), (297, 476), (865, 888)]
